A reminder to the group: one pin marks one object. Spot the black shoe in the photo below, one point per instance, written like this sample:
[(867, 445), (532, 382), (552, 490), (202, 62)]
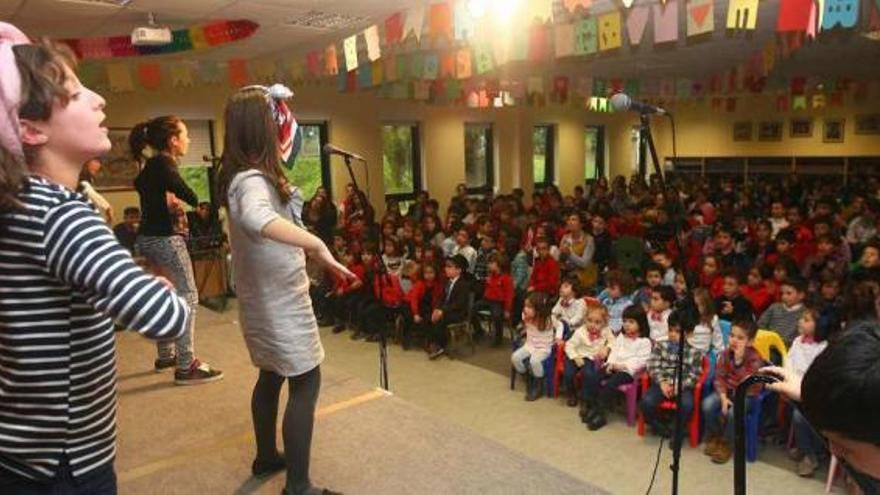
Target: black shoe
[(373, 337), (357, 335), (339, 329), (536, 390), (597, 423), (263, 468), (160, 365)]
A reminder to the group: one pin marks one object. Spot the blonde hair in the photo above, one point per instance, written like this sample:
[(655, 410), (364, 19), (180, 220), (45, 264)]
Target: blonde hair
[(705, 305), (597, 308)]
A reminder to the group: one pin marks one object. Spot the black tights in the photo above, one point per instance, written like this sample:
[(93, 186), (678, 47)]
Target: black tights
[(299, 419)]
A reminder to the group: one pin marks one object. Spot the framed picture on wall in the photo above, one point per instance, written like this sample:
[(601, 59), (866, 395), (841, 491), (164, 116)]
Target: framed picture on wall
[(742, 131), (801, 127), (770, 131), (833, 131), (868, 124), (118, 168)]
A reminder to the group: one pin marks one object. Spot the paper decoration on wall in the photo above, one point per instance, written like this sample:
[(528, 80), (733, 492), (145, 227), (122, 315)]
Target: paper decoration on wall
[(119, 78), (389, 70), (742, 14), (181, 75), (782, 103), (798, 85), (799, 102), (564, 40), (197, 38), (331, 64), (365, 75), (349, 47), (730, 104), (483, 56), (431, 66), (453, 90), (629, 3), (263, 71), (794, 15), (394, 29), (535, 86), (421, 90), (447, 65), (464, 22), (463, 64), (210, 72), (313, 63), (238, 72), (636, 22), (572, 5), (584, 86), (600, 87), (609, 31), (700, 17), (537, 43), (632, 87), (560, 89), (818, 101), (150, 76), (400, 91), (415, 21), (441, 21), (586, 34), (297, 71), (402, 67), (666, 22), (840, 13), (416, 66), (371, 36)]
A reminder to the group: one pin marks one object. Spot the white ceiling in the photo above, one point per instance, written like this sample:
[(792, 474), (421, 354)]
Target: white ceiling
[(844, 53)]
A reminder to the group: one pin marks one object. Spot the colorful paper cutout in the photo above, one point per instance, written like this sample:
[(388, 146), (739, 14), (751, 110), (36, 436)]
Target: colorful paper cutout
[(431, 66), (181, 75), (394, 29), (463, 64), (390, 68), (742, 14), (313, 63), (415, 21), (586, 35), (441, 20), (483, 55), (794, 15), (538, 43), (840, 13), (609, 31), (150, 76), (349, 47), (464, 22), (365, 75), (447, 65), (564, 40), (700, 17), (666, 22), (371, 36), (331, 63), (238, 72), (636, 22)]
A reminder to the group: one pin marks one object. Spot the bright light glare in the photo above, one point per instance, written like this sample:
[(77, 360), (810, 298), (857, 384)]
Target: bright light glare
[(502, 10), (477, 8)]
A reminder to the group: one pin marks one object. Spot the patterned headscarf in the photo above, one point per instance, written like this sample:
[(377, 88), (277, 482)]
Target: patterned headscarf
[(289, 132), (10, 89)]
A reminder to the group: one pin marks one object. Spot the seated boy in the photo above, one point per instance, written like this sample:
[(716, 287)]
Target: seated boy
[(782, 317), (662, 370), (453, 309), (731, 304), (616, 297)]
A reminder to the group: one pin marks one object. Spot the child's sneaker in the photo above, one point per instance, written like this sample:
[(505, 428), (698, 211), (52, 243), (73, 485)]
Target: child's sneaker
[(711, 445), (807, 467), (723, 453), (160, 364), (197, 374)]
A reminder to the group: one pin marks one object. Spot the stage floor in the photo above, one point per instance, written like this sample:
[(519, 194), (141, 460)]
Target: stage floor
[(451, 427)]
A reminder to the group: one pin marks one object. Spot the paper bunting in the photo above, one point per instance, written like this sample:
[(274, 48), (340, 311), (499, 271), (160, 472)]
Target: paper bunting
[(237, 71), (296, 70), (795, 15), (421, 90), (464, 22), (632, 87), (371, 36), (181, 75), (119, 77), (600, 87), (742, 14), (378, 69), (584, 87), (402, 67), (840, 13), (331, 63), (390, 68), (441, 21), (560, 89), (197, 38), (782, 103), (431, 66), (538, 43), (313, 63), (211, 72), (609, 31), (400, 91), (819, 101), (798, 85), (438, 91), (365, 75), (447, 65), (415, 21), (636, 22), (564, 40), (585, 36), (666, 22), (463, 64), (799, 102), (483, 56), (701, 17), (349, 47), (150, 76), (730, 104), (453, 90), (120, 46), (572, 5), (416, 66), (394, 29), (472, 100)]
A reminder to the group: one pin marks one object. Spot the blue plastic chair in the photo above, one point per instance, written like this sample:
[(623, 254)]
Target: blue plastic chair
[(725, 331), (549, 367)]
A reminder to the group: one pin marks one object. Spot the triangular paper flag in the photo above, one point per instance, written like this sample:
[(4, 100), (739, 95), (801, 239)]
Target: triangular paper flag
[(416, 66), (150, 76), (464, 22), (742, 14), (351, 53), (331, 62), (463, 64), (390, 68), (840, 13), (538, 43), (483, 55), (609, 31), (799, 102), (701, 17), (421, 90), (415, 21), (238, 73), (572, 5), (441, 21), (447, 65), (636, 22), (365, 75), (794, 15), (818, 101), (181, 75), (210, 72), (564, 40), (431, 67), (586, 33), (394, 29), (371, 36), (666, 22)]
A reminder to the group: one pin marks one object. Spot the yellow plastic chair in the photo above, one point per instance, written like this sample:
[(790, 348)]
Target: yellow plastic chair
[(766, 340)]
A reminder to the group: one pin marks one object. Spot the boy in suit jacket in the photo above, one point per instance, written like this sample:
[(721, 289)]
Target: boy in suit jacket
[(454, 306)]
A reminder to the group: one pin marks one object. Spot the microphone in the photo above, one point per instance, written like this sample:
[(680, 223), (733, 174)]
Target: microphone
[(329, 149), (210, 158), (621, 102)]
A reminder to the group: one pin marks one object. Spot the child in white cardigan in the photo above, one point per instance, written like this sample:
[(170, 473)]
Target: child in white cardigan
[(628, 357), (586, 350), (569, 309)]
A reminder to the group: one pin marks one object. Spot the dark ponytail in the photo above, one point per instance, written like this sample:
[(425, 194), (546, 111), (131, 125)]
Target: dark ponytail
[(154, 133)]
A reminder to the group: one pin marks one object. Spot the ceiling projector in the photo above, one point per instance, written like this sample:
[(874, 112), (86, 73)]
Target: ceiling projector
[(151, 36)]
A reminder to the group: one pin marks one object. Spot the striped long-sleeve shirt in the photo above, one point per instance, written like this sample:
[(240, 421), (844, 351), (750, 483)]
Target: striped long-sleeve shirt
[(63, 276)]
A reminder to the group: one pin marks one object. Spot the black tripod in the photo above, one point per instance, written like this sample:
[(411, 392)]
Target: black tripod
[(383, 344)]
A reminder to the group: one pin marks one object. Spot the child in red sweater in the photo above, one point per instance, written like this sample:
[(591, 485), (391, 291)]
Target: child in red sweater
[(345, 290), (424, 297), (757, 291), (545, 271), (497, 295)]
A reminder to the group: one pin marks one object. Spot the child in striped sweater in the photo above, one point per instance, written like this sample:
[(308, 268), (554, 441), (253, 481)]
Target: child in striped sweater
[(538, 344), (782, 317)]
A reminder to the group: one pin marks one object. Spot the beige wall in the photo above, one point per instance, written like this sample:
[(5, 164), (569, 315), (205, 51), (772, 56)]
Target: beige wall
[(355, 121)]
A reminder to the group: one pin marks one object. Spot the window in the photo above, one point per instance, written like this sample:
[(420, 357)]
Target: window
[(312, 167), (543, 140), (401, 160), (594, 155), (479, 162), (198, 174)]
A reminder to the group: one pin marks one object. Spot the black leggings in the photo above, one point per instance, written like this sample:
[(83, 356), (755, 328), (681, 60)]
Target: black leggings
[(299, 419)]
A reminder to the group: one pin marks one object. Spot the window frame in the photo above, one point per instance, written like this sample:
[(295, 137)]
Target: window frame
[(415, 130), (323, 138), (489, 185), (600, 151), (549, 157)]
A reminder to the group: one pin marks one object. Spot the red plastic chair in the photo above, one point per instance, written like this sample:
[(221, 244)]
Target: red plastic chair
[(670, 405)]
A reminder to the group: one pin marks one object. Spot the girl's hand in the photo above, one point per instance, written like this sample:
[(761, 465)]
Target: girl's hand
[(325, 257), (726, 404), (417, 318), (789, 384), (579, 362)]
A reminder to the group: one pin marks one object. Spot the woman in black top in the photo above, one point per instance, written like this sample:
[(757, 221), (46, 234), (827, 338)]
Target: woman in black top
[(160, 238)]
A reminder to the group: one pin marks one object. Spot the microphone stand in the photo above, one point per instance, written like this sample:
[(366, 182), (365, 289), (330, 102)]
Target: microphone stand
[(739, 410), (646, 143), (381, 272)]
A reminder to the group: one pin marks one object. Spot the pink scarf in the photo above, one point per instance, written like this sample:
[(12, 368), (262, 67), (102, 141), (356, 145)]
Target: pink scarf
[(10, 89)]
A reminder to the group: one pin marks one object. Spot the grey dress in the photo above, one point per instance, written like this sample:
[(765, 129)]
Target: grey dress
[(275, 309)]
